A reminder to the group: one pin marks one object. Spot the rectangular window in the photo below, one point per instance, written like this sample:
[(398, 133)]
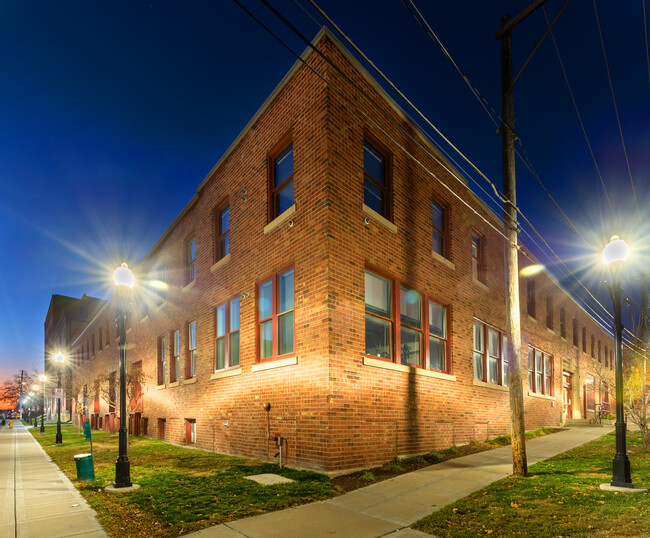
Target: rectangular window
[(376, 193), (190, 431), (504, 360), (439, 229), (410, 327), (162, 429), (549, 312), (92, 344), (275, 317), (190, 365), (489, 347), (530, 298), (379, 315), (437, 337), (191, 260), (540, 372), (226, 343), (562, 322), (575, 332), (162, 360), (478, 262), (222, 233), (162, 292), (593, 347), (101, 339), (176, 361), (584, 340), (281, 182), (606, 357), (600, 358)]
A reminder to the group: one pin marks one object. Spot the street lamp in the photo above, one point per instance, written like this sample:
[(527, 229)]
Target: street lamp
[(124, 280), (614, 255), (36, 388), (43, 379), (59, 358)]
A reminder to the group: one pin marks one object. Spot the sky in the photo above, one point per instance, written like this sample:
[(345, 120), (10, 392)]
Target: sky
[(112, 113)]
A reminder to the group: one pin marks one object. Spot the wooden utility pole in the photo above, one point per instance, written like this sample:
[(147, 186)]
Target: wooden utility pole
[(513, 316)]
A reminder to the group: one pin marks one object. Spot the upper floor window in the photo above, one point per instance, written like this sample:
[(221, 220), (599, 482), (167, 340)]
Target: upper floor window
[(190, 365), (437, 337), (439, 229), (593, 347), (376, 193), (575, 332), (175, 368), (584, 340), (562, 322), (191, 260), (549, 312), (530, 298), (227, 339), (275, 315), (478, 261), (540, 372), (281, 182), (162, 360), (490, 359), (600, 358), (222, 234), (606, 357), (101, 339)]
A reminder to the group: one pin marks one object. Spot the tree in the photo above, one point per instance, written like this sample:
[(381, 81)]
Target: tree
[(107, 385), (637, 395), (10, 390)]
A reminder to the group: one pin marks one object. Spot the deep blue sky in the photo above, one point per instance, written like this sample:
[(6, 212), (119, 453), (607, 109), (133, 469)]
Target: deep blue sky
[(112, 113)]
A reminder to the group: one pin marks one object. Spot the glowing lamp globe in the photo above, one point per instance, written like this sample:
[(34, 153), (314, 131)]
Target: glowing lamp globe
[(43, 379), (615, 251), (59, 357), (123, 276), (35, 387)]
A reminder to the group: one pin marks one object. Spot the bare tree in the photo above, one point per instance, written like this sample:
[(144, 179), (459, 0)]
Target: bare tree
[(10, 390), (636, 395)]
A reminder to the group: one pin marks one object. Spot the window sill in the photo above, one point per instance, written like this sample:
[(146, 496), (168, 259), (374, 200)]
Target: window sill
[(274, 364), (161, 306), (174, 384), (160, 387), (223, 261), (226, 373), (189, 286), (378, 363), (480, 284), (146, 318), (443, 260), (189, 381), (541, 396), (493, 386), (277, 221), (531, 318), (549, 330), (379, 219)]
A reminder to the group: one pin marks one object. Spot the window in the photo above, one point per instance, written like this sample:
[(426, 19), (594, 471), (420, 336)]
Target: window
[(226, 345), (376, 193), (275, 315), (92, 344), (439, 229), (414, 314), (540, 372), (222, 234), (562, 322), (530, 298), (489, 347), (162, 429), (281, 182), (190, 365), (175, 369), (549, 312), (162, 360), (191, 260), (162, 292), (593, 347), (600, 358), (584, 340), (190, 431), (101, 339), (478, 262), (606, 357), (575, 332)]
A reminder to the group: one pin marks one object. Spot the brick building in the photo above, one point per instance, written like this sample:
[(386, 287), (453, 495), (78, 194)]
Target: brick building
[(336, 266)]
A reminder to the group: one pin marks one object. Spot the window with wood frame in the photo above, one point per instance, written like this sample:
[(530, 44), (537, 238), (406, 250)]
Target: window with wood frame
[(549, 312), (162, 429), (606, 357), (530, 298), (540, 371), (600, 358), (439, 223), (281, 182), (584, 339), (101, 340), (575, 332), (175, 368), (376, 179), (221, 233), (412, 322), (226, 343), (190, 360), (275, 316), (190, 431), (593, 347), (162, 360), (190, 257), (478, 257), (562, 322), (489, 354)]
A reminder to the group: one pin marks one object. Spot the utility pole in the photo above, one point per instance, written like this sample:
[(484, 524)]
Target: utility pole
[(644, 313), (513, 316), (20, 393)]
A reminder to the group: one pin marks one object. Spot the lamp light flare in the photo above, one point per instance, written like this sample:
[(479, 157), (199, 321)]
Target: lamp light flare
[(123, 276), (616, 250), (59, 357), (43, 378), (35, 387)]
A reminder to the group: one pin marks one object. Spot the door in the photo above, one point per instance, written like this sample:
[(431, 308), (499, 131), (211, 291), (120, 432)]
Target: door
[(567, 394)]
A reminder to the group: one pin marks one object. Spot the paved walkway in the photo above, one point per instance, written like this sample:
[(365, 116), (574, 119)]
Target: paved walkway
[(389, 507), (38, 500)]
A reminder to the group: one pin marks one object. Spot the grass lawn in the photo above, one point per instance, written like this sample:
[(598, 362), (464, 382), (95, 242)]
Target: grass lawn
[(561, 497), (182, 489)]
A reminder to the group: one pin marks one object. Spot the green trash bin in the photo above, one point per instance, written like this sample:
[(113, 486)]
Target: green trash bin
[(85, 467)]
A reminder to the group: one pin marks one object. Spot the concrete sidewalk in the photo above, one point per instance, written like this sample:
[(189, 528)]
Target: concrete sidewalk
[(38, 500), (387, 508)]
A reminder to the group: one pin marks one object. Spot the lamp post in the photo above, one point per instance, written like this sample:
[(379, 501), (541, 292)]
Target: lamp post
[(43, 379), (59, 358), (614, 255), (35, 388), (124, 280)]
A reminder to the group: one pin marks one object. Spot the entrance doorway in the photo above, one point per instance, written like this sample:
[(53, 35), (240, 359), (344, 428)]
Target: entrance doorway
[(567, 394)]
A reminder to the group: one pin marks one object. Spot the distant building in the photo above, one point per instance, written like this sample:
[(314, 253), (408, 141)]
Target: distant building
[(334, 265)]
